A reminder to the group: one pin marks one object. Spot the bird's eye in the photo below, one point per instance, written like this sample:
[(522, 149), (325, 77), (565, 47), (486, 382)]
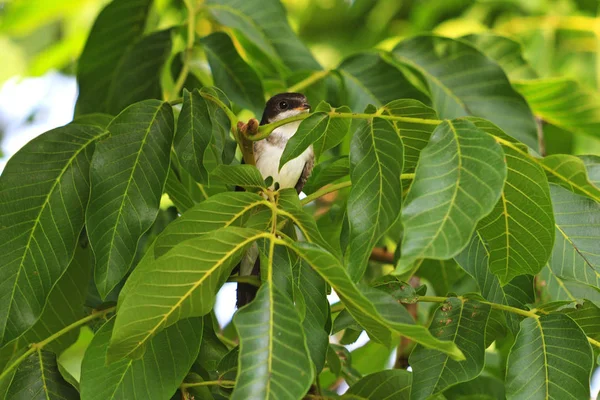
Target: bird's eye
[(283, 105)]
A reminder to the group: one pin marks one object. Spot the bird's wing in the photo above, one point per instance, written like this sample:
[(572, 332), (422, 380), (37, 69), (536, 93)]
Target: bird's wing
[(306, 171)]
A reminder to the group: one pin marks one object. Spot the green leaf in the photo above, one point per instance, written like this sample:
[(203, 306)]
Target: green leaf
[(557, 288), (182, 189), (219, 211), (458, 180), (576, 255), (212, 350), (38, 378), (322, 130), (557, 357), (127, 175), (289, 206), (592, 165), (517, 293), (371, 78), (156, 375), (194, 133), (463, 82), (97, 119), (274, 359), (563, 102), (327, 172), (97, 68), (244, 175), (389, 384), (376, 161), (570, 172), (44, 190), (519, 231), (231, 73), (414, 135), (462, 322), (587, 317), (181, 284), (376, 311), (313, 290), (442, 274), (480, 388), (119, 66), (507, 52), (264, 24)]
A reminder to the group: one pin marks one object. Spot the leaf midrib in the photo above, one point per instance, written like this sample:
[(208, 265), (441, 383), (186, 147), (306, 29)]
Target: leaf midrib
[(42, 208), (125, 193)]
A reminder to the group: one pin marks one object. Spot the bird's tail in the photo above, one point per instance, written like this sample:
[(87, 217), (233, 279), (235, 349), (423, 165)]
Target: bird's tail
[(249, 266)]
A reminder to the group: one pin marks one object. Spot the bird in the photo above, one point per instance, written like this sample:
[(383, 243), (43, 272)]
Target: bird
[(293, 174)]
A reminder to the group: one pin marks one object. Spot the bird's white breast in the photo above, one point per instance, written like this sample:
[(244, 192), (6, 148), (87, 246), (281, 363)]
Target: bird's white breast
[(268, 161)]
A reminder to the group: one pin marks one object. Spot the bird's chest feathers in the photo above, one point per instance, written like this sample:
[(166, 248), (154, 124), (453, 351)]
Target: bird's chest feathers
[(268, 153)]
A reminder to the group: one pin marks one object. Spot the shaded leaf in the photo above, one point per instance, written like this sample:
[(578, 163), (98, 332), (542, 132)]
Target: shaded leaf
[(156, 375), (442, 274), (322, 129), (327, 172), (570, 172), (127, 175), (38, 378), (518, 232), (557, 357), (576, 254), (274, 359), (264, 24), (414, 135), (557, 288), (389, 384), (370, 78), (231, 73), (219, 211), (244, 175), (592, 165), (376, 311), (374, 203), (462, 81), (181, 284), (108, 44), (517, 293), (462, 322), (44, 190), (458, 180), (507, 52), (587, 316), (563, 102), (481, 388)]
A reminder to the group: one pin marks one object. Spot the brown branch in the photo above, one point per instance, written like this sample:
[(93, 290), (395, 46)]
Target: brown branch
[(382, 255)]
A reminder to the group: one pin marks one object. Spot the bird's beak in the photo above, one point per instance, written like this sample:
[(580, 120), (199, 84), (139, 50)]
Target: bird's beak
[(303, 107)]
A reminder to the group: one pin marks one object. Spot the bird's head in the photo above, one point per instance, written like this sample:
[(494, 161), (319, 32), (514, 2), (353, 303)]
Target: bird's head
[(284, 105)]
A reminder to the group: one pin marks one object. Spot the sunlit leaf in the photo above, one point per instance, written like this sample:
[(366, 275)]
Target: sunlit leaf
[(274, 358), (156, 375), (462, 322), (127, 174), (244, 175), (519, 231), (181, 284), (462, 81), (217, 212), (458, 180), (375, 198), (557, 359), (44, 190), (563, 102)]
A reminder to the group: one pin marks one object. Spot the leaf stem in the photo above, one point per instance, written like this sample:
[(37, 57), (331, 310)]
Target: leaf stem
[(594, 342), (208, 383), (309, 80), (191, 38), (40, 345), (325, 190), (514, 310), (265, 130)]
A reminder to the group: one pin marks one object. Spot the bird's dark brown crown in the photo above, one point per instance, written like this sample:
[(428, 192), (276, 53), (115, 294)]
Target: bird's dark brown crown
[(283, 102)]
